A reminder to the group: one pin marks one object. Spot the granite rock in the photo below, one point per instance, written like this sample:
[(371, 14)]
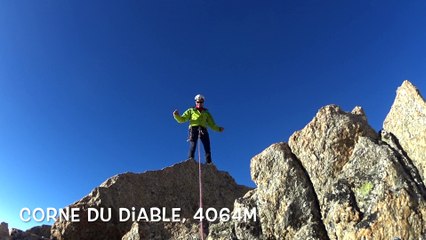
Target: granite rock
[(169, 188), (406, 120)]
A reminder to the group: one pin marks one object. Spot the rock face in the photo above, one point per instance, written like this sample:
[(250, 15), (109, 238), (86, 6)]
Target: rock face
[(173, 187), (40, 231), (407, 121), (357, 179), (290, 214), (336, 178), (4, 231), (325, 145), (35, 233)]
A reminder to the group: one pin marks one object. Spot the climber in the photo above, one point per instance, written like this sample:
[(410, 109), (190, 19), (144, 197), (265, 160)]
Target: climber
[(199, 119)]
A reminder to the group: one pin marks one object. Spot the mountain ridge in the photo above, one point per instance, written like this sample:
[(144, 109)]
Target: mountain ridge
[(336, 178)]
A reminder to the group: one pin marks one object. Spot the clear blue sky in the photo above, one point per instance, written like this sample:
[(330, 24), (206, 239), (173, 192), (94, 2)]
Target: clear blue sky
[(87, 88)]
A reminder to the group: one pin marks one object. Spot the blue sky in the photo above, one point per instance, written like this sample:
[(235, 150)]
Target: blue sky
[(87, 89)]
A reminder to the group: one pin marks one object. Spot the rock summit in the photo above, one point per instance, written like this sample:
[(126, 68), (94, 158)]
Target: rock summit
[(337, 178)]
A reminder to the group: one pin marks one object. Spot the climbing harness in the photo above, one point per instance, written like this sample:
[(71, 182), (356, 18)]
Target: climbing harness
[(200, 183), (200, 132)]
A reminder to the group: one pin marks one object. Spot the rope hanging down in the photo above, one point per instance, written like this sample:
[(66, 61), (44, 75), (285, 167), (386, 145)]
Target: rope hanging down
[(200, 183)]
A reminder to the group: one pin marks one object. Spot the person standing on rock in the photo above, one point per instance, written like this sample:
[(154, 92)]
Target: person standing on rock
[(199, 119)]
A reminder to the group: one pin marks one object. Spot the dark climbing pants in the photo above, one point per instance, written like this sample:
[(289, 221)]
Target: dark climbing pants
[(194, 133)]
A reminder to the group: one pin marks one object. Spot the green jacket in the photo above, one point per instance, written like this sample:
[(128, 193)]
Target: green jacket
[(197, 118)]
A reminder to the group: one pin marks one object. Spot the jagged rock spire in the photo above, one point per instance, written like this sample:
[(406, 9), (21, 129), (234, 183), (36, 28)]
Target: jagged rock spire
[(406, 120)]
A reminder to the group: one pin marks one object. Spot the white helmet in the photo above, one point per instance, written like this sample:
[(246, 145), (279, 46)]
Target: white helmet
[(199, 97)]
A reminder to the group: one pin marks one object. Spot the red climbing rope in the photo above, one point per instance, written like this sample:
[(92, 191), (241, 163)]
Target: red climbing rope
[(201, 186)]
